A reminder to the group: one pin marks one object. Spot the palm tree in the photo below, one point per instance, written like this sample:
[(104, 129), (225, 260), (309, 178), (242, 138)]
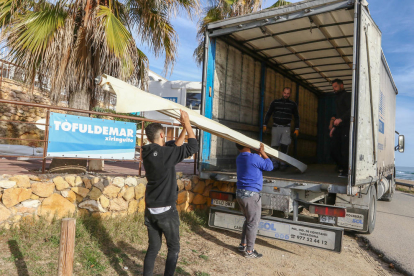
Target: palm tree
[(279, 3), (73, 41), (222, 9)]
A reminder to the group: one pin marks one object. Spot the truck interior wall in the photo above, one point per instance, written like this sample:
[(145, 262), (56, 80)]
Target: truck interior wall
[(236, 99), (326, 110)]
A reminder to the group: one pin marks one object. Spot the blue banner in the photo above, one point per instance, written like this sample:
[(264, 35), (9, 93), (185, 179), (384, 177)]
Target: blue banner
[(75, 136)]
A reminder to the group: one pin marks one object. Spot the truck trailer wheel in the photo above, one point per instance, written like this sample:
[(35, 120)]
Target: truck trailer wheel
[(388, 196), (372, 213)]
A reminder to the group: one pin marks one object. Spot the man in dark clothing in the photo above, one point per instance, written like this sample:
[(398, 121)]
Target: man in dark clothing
[(249, 184), (340, 130), (282, 111), (161, 193)]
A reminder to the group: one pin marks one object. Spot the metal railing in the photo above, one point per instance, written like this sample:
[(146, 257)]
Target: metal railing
[(45, 140)]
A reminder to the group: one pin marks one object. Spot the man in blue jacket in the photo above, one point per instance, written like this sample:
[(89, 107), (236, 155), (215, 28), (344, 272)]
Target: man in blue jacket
[(249, 184)]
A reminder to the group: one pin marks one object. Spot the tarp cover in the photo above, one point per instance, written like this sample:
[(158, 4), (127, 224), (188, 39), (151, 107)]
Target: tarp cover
[(132, 99)]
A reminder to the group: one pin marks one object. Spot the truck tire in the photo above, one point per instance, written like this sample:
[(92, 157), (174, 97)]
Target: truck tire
[(372, 213)]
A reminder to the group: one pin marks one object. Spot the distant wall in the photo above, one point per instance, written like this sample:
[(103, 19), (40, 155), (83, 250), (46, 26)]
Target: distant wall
[(17, 91)]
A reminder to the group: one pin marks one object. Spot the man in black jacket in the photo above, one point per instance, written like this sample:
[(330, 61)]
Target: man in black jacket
[(282, 111), (340, 130), (161, 193)]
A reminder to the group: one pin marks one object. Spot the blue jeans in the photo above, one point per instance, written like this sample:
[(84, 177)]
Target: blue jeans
[(169, 224)]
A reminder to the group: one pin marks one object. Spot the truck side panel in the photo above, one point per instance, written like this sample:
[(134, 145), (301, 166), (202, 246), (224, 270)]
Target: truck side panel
[(386, 130), (366, 152)]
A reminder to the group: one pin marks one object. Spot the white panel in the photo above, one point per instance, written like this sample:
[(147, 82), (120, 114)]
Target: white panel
[(365, 162), (327, 61), (287, 58), (289, 25), (276, 52), (249, 34), (302, 36), (319, 54), (310, 46), (264, 43), (386, 130)]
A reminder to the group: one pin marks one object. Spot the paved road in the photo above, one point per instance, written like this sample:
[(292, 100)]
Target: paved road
[(394, 229)]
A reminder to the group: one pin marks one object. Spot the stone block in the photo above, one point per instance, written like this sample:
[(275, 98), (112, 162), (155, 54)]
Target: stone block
[(195, 179), (188, 185), (92, 206), (180, 185), (182, 197), (131, 181), (4, 213), (118, 181), (69, 195), (129, 193), (104, 201), (43, 189), (22, 181), (87, 183), (207, 190), (83, 192), (141, 205), (56, 205), (118, 204), (31, 203), (199, 187), (199, 199), (60, 183), (140, 191), (14, 196), (191, 196), (6, 184), (111, 191), (133, 207), (95, 193)]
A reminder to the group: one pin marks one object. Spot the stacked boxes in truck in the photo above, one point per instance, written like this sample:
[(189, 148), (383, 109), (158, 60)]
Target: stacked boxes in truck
[(305, 46)]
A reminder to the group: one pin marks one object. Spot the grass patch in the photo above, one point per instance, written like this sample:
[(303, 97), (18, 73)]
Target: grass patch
[(404, 189), (204, 257), (180, 271), (101, 247), (199, 273)]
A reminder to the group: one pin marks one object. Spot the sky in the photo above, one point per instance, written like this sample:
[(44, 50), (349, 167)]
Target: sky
[(395, 20)]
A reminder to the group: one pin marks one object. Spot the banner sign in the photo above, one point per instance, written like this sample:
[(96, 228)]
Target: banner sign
[(84, 137)]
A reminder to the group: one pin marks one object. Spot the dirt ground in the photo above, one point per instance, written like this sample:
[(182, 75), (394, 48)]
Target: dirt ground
[(117, 246)]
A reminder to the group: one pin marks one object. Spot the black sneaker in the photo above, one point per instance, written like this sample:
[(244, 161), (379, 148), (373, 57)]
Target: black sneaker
[(343, 175), (241, 248), (253, 254)]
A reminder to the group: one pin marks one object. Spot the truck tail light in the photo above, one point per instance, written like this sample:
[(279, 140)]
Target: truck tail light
[(221, 195), (327, 211)]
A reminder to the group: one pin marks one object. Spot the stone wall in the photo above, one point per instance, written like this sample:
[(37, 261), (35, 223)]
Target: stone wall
[(30, 197), (17, 91)]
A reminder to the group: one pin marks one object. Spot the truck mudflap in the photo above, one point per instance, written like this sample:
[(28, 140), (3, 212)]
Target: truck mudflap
[(315, 235)]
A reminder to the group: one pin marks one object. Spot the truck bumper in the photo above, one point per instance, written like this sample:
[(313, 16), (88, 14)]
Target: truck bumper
[(315, 235)]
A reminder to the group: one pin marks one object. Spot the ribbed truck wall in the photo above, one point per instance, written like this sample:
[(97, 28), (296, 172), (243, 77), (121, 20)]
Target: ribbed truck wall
[(236, 99), (236, 103), (308, 113)]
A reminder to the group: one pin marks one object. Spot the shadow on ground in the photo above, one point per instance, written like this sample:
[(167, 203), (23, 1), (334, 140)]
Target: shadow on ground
[(18, 258)]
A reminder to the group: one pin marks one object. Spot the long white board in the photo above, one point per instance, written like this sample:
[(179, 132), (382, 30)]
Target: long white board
[(132, 99)]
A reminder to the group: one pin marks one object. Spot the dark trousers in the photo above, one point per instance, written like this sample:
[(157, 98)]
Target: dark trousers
[(169, 224), (251, 208), (340, 147)]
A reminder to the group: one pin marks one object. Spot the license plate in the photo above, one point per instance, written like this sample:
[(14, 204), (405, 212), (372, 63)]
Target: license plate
[(223, 203), (327, 219), (352, 220)]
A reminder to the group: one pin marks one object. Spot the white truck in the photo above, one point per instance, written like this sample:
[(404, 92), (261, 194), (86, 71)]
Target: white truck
[(248, 61)]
